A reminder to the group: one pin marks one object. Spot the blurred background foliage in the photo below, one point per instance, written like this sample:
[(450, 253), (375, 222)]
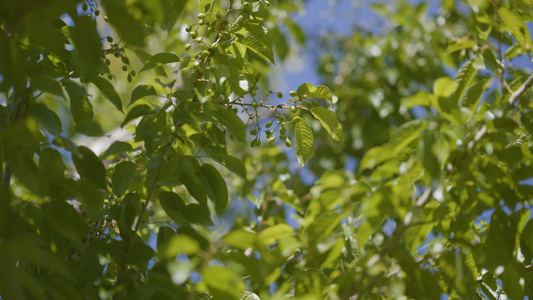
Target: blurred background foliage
[(427, 194)]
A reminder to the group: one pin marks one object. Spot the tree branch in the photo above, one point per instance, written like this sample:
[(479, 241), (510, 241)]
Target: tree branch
[(521, 90), (144, 208)]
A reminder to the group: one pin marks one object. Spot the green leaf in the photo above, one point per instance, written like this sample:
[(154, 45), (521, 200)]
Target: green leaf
[(516, 26), (122, 177), (444, 86), (144, 57), (232, 122), (240, 239), (260, 33), (89, 128), (137, 111), (171, 12), (249, 296), (223, 283), (116, 148), (457, 44), (130, 208), (464, 76), (46, 117), (473, 95), (160, 59), (232, 163), (307, 90), (89, 166), (173, 205), (421, 98), (198, 214), (329, 121), (129, 28), (513, 51), (259, 48), (526, 240), (304, 141), (273, 233), (177, 244), (205, 6), (108, 91), (48, 85), (142, 91), (406, 133), (193, 178), (376, 156), (139, 255), (65, 220), (80, 106), (88, 46), (217, 190)]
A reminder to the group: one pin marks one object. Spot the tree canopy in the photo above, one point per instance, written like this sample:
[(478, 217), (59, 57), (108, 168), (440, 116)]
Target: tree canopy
[(146, 153)]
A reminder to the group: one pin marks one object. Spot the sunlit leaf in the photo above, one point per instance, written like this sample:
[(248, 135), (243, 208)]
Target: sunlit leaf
[(304, 141), (329, 121)]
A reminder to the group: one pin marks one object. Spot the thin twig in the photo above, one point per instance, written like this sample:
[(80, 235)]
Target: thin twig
[(520, 91)]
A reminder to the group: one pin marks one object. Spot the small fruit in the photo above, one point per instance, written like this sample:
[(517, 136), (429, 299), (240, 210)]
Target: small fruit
[(109, 39), (193, 34), (288, 143), (107, 61), (253, 93), (130, 78), (201, 22), (246, 5), (84, 7), (124, 68), (294, 108), (253, 143), (201, 16), (292, 93), (280, 95), (125, 60), (258, 143), (268, 133), (205, 53), (254, 104), (199, 39), (97, 12), (271, 140), (282, 130), (188, 28), (253, 132), (133, 73), (268, 124), (188, 47), (282, 136), (109, 76)]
